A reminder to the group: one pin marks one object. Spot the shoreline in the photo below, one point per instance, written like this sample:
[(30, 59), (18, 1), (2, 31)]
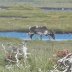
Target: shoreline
[(26, 31)]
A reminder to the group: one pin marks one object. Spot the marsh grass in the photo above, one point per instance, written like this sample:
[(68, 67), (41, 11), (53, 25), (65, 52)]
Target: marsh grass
[(40, 58), (20, 17), (54, 23)]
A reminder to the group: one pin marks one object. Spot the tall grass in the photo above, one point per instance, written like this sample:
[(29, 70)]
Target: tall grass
[(19, 18), (41, 57), (55, 21)]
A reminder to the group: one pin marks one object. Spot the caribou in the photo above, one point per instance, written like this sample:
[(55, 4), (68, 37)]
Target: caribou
[(41, 30)]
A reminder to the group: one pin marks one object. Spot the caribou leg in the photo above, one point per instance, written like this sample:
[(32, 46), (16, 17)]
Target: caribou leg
[(31, 35), (41, 37), (52, 35), (48, 36)]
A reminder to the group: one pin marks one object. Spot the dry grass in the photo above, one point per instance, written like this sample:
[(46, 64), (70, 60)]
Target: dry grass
[(40, 57)]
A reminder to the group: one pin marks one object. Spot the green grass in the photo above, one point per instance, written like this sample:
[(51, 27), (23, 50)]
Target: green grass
[(58, 21), (41, 52), (13, 40), (12, 19)]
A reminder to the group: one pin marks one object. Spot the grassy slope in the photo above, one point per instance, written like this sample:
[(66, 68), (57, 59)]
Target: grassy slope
[(58, 21), (40, 53)]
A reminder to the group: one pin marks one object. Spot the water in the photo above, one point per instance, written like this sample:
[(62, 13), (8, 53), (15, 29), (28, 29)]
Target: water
[(25, 36), (51, 9)]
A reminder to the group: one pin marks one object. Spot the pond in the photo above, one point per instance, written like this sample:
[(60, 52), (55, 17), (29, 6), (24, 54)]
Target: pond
[(25, 36)]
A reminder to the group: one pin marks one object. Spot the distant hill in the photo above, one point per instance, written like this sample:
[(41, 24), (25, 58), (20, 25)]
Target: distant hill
[(38, 2)]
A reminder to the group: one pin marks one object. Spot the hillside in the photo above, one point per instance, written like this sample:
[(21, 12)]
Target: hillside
[(39, 1), (46, 3)]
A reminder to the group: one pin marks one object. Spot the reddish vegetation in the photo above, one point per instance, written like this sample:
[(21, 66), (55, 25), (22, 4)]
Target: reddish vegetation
[(62, 53), (9, 56)]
